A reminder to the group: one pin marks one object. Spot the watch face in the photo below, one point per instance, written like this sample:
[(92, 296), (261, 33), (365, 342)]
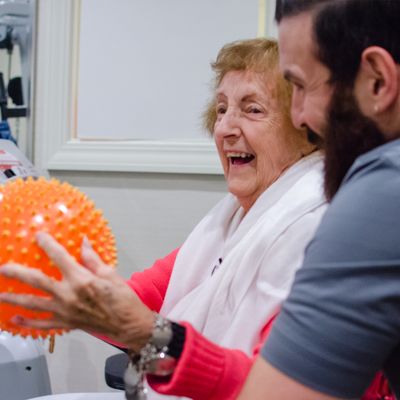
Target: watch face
[(162, 337), (162, 332)]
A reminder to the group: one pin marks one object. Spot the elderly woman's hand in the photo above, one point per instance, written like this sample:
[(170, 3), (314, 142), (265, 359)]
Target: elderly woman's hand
[(92, 296)]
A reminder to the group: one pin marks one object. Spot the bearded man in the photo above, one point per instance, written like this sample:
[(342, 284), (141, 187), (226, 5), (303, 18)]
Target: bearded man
[(341, 322)]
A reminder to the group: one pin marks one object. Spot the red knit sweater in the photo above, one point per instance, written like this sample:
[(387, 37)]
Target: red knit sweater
[(205, 370)]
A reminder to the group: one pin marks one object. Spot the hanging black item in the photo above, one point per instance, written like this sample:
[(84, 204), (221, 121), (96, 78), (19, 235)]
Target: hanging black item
[(16, 96)]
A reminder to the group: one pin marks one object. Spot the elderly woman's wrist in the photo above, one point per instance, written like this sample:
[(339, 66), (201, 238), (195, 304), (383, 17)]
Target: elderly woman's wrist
[(140, 333), (159, 355)]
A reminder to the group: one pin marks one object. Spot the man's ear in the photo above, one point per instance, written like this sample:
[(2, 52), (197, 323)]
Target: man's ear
[(377, 81)]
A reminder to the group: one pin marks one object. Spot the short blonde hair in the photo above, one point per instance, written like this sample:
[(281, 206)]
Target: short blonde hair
[(258, 55)]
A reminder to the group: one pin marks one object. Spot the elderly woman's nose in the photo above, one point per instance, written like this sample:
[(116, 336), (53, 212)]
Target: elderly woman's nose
[(228, 124)]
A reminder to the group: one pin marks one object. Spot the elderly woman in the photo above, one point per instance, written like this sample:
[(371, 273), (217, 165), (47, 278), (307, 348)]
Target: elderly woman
[(195, 319)]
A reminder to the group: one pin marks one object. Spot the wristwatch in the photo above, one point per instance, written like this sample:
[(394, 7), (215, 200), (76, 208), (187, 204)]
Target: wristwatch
[(155, 354), (158, 357)]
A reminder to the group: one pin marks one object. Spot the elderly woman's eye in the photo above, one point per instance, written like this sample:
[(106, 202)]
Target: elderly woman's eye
[(221, 109), (254, 110)]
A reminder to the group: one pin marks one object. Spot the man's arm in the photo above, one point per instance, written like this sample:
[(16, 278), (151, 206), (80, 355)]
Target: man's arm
[(340, 323), (267, 383)]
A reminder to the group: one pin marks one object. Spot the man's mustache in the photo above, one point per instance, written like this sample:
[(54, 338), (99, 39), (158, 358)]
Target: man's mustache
[(313, 137)]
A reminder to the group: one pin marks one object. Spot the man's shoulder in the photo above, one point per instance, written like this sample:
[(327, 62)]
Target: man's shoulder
[(384, 159), (373, 179), (363, 221)]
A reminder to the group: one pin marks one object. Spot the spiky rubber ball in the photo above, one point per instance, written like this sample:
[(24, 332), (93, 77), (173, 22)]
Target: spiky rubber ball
[(29, 206)]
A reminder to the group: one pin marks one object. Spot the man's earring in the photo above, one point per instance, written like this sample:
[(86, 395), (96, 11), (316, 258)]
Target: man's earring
[(376, 108)]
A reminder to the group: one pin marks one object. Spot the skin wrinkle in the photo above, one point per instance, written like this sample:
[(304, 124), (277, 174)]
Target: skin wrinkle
[(92, 306)]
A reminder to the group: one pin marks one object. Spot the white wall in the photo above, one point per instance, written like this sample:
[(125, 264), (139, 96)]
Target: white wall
[(164, 79)]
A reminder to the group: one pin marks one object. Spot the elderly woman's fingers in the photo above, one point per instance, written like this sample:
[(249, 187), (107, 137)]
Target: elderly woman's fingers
[(30, 276), (57, 253), (37, 303), (80, 315), (51, 323), (93, 298), (45, 324), (90, 259)]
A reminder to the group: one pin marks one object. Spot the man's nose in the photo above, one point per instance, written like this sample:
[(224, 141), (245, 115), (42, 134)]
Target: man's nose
[(297, 111)]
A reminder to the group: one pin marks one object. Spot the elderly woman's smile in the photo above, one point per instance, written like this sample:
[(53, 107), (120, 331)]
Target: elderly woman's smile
[(237, 158), (254, 141)]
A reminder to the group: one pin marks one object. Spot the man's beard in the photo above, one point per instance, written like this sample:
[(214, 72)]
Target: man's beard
[(348, 135)]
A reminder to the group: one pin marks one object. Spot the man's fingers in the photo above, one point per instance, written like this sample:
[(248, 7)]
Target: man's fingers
[(31, 276)]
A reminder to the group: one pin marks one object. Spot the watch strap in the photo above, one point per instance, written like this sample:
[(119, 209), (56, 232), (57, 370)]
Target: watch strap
[(160, 354), (177, 342)]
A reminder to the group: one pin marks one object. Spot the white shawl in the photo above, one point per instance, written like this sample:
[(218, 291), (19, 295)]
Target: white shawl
[(230, 301)]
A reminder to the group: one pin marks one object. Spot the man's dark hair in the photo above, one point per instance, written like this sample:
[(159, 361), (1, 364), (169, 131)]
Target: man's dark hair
[(289, 8), (343, 29)]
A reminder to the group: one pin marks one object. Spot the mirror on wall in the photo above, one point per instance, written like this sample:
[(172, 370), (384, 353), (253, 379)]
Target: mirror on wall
[(17, 21)]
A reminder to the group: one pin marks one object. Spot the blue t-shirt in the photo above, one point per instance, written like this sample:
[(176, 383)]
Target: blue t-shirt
[(341, 322)]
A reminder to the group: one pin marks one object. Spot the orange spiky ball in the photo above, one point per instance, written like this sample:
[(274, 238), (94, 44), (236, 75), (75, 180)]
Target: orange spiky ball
[(29, 206)]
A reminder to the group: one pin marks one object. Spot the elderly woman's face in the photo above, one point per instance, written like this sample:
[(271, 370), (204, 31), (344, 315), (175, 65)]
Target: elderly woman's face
[(252, 142)]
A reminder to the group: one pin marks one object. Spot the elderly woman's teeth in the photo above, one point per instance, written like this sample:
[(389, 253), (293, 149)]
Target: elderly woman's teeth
[(240, 158), (242, 155)]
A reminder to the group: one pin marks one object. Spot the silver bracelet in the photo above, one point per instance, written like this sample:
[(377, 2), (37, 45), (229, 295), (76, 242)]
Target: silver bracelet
[(151, 359)]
